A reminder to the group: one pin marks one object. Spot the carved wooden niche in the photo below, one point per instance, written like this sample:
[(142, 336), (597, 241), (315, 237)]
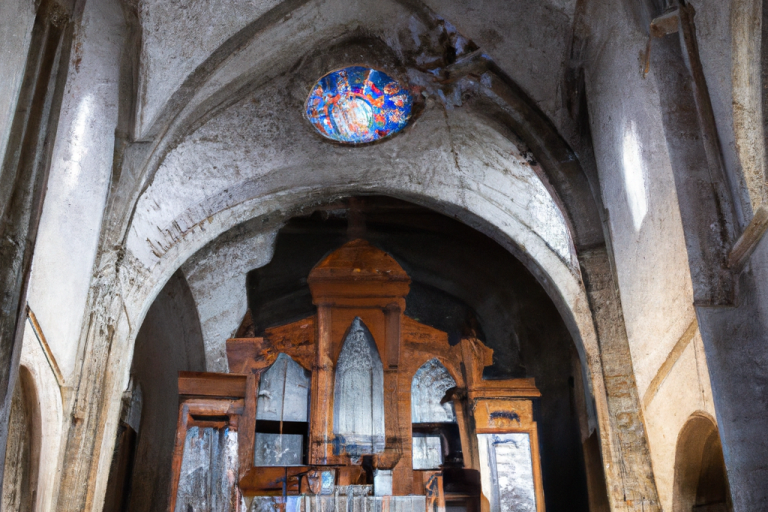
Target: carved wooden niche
[(357, 402), (358, 395)]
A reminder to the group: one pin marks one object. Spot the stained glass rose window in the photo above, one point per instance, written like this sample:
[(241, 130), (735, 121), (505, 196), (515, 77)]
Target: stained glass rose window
[(358, 104)]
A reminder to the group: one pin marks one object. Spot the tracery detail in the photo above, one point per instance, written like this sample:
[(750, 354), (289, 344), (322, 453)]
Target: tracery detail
[(359, 393)]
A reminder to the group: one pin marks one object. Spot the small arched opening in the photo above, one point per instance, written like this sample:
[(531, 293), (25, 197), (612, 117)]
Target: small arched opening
[(22, 452), (701, 482)]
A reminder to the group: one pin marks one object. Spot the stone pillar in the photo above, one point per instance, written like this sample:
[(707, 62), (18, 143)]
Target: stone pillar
[(23, 178), (83, 159), (627, 462)]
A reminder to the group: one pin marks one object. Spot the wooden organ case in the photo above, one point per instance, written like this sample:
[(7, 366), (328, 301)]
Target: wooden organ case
[(357, 406)]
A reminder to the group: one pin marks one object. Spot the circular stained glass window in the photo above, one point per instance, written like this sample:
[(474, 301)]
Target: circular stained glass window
[(358, 104)]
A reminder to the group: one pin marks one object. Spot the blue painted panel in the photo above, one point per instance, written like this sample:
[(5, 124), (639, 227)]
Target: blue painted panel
[(358, 104)]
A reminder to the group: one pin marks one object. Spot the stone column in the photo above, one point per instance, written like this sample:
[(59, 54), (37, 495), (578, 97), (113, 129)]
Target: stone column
[(627, 462)]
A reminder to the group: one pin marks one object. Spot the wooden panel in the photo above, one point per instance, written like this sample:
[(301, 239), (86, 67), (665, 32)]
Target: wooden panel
[(241, 353), (248, 425), (278, 450), (498, 419), (320, 449), (511, 472), (427, 451), (269, 481), (507, 472), (428, 388), (358, 409), (393, 315), (211, 384), (210, 456), (500, 415), (284, 391), (200, 413), (297, 339), (357, 270)]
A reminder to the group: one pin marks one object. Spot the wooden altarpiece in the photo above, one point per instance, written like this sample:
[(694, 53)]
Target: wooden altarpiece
[(359, 400)]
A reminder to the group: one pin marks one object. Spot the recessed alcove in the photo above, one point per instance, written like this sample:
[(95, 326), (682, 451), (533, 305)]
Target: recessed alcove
[(462, 283)]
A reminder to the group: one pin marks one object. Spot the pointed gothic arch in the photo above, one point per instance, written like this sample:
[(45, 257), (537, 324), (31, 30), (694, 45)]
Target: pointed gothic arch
[(701, 481), (358, 406)]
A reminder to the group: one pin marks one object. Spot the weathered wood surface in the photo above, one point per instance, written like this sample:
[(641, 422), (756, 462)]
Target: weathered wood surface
[(320, 435), (507, 472), (374, 374), (283, 397), (251, 355), (212, 384), (278, 450), (284, 391), (210, 459), (359, 394), (501, 421), (247, 425), (216, 413), (428, 387), (339, 503), (273, 481), (427, 451)]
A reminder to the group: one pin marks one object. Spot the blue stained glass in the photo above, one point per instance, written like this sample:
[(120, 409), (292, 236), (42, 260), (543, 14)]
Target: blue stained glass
[(358, 104)]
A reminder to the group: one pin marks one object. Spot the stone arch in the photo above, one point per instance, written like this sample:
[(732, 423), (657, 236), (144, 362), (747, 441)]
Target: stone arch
[(140, 285), (22, 456), (229, 74), (126, 284), (498, 102), (700, 474)]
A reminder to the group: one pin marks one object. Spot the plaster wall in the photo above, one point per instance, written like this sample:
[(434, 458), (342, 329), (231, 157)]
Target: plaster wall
[(262, 145), (182, 41), (530, 41), (178, 37), (79, 177), (728, 34), (684, 391), (649, 250), (738, 362), (638, 191), (14, 46), (216, 277)]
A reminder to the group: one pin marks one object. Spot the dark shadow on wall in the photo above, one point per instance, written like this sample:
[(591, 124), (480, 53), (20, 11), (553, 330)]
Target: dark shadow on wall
[(169, 341)]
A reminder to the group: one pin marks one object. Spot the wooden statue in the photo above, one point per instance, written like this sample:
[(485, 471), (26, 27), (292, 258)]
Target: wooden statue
[(361, 402)]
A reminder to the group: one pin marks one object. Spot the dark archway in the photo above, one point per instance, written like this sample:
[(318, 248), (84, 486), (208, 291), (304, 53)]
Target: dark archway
[(463, 283), (169, 341), (22, 455), (701, 482)]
